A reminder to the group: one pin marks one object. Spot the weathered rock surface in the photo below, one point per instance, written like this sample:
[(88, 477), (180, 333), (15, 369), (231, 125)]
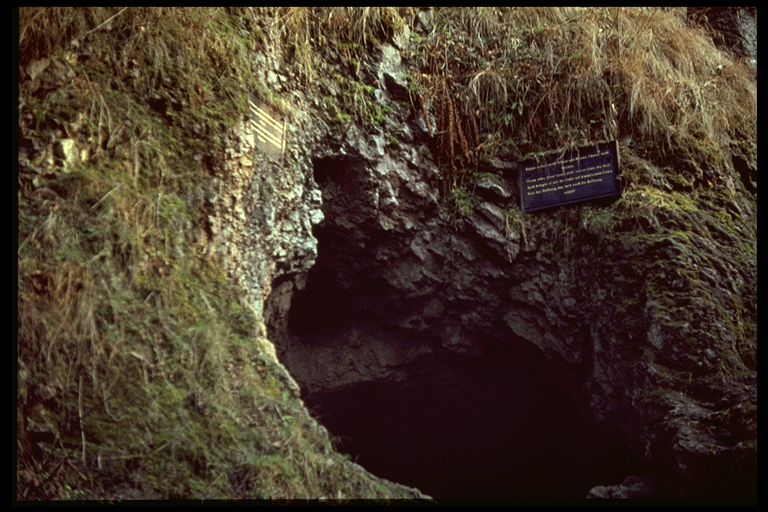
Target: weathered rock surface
[(633, 487), (643, 309), (651, 313), (737, 27)]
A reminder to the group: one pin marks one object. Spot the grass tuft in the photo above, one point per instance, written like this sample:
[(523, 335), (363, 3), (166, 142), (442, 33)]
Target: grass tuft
[(547, 78)]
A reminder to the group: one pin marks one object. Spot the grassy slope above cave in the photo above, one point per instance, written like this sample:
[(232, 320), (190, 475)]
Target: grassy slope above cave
[(141, 374)]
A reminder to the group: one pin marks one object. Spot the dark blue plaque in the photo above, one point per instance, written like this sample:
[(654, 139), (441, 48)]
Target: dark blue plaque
[(565, 178)]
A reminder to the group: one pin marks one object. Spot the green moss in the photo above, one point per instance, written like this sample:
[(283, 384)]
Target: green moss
[(703, 152), (655, 199), (597, 220), (462, 202), (356, 101)]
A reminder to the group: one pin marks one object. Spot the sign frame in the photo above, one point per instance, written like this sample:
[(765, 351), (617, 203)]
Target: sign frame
[(566, 166)]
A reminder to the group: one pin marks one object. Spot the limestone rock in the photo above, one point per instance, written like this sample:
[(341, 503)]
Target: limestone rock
[(493, 187), (391, 73), (633, 487), (66, 150)]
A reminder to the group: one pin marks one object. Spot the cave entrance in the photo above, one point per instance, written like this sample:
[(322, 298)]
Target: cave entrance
[(485, 428), (498, 424)]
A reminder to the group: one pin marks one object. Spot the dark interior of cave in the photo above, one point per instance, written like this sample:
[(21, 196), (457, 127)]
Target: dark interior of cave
[(505, 425), (486, 428), (482, 428), (502, 426)]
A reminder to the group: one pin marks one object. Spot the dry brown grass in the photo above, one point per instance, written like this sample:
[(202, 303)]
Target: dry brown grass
[(301, 35), (552, 77), (44, 29)]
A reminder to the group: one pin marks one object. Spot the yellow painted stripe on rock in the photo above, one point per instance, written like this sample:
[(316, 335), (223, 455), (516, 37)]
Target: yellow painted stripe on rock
[(267, 127), (265, 115), (268, 122), (271, 138), (266, 132)]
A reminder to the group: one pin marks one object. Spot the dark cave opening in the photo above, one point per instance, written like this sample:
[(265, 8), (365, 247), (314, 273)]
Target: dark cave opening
[(502, 424), (486, 428)]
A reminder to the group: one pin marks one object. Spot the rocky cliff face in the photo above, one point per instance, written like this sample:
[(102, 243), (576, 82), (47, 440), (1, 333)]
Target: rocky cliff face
[(642, 309), (450, 341)]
